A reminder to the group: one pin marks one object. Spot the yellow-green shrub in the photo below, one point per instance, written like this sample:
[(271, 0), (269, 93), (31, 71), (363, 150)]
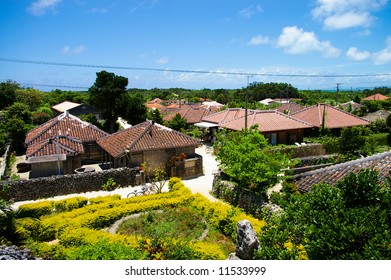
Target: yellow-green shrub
[(102, 199), (223, 216), (70, 204), (173, 181), (36, 209), (207, 251)]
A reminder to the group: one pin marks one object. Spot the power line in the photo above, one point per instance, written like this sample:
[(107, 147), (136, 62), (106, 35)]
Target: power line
[(38, 62)]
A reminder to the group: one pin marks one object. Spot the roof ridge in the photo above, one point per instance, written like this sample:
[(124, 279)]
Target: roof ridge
[(343, 164)]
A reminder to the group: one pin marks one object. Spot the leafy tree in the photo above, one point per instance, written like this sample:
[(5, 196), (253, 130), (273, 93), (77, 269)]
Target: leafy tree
[(16, 130), (244, 158), (155, 116), (348, 221), (31, 97), (353, 142), (106, 94), (132, 108), (177, 122), (7, 93), (18, 111), (91, 118)]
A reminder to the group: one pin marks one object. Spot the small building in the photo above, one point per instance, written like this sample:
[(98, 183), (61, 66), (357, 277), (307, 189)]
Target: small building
[(275, 126), (156, 145), (64, 135), (76, 109), (326, 116), (290, 108), (375, 97)]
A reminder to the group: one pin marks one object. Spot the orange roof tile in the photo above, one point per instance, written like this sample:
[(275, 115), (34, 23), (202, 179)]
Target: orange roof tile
[(333, 117), (332, 174), (65, 125), (145, 136), (376, 96), (267, 121), (54, 146)]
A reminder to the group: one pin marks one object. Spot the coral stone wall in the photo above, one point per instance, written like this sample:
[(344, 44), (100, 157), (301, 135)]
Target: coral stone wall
[(67, 184)]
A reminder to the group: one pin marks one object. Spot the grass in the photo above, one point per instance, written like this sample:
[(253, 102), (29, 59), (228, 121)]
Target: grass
[(183, 223)]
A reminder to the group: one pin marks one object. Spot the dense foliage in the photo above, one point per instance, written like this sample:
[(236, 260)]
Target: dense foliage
[(245, 159), (349, 221)]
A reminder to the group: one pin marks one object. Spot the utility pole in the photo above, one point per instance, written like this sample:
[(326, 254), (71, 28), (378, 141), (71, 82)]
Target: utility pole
[(338, 84), (246, 109)]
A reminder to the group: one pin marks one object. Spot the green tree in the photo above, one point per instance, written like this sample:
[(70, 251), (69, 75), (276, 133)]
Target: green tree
[(177, 122), (244, 158), (106, 94), (132, 108), (31, 97), (155, 116), (348, 221), (7, 93), (16, 131), (18, 111)]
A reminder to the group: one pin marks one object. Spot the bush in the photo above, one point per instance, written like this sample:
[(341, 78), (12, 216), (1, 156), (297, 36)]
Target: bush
[(70, 204), (110, 185), (103, 199), (38, 208)]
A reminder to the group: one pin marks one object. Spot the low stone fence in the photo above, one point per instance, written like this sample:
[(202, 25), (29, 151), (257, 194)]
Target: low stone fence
[(308, 150), (66, 184), (236, 196)]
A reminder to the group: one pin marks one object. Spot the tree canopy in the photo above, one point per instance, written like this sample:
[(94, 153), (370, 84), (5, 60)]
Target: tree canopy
[(106, 94), (351, 220), (244, 158)]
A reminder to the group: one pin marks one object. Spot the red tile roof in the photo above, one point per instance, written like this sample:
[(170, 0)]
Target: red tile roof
[(289, 108), (54, 146), (145, 136), (332, 174), (334, 117), (267, 121), (192, 114), (226, 115), (65, 125), (376, 96)]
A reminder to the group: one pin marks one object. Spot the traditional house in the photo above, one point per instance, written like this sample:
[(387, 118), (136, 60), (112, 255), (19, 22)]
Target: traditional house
[(375, 97), (75, 109), (349, 107), (275, 126), (191, 113), (332, 174), (290, 108), (326, 116), (66, 137), (378, 115), (156, 145)]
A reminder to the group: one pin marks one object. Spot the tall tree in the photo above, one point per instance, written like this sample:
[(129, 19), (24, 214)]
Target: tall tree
[(133, 109), (7, 93), (106, 94), (244, 158)]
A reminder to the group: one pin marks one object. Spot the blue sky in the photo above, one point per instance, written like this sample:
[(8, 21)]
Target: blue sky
[(324, 41)]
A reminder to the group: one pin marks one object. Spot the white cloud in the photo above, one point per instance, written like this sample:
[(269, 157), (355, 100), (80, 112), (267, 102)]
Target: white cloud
[(348, 20), (162, 60), (295, 40), (40, 7), (77, 50), (383, 56), (250, 11), (343, 14), (355, 54), (259, 40)]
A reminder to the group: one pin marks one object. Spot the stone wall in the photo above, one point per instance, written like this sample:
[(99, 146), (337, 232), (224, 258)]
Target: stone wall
[(236, 196), (67, 184), (305, 150)]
